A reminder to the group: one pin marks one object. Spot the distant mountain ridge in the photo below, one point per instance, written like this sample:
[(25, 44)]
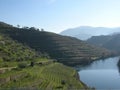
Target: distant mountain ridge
[(85, 32)]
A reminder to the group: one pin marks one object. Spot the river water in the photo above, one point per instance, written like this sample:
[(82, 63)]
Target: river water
[(101, 74)]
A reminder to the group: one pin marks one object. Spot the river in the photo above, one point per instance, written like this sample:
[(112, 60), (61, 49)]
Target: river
[(101, 74)]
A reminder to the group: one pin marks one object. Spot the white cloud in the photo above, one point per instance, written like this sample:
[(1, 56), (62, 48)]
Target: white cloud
[(52, 1)]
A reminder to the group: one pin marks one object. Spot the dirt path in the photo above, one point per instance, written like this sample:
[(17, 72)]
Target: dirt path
[(3, 70)]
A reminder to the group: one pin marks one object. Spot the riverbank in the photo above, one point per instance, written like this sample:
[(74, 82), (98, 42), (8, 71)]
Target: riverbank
[(107, 71)]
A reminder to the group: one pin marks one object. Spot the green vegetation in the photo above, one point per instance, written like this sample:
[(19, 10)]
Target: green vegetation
[(67, 50), (12, 51), (111, 42), (23, 68), (43, 75)]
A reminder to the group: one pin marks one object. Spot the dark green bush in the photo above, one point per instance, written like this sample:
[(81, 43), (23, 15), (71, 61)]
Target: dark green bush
[(22, 65), (63, 82), (32, 64)]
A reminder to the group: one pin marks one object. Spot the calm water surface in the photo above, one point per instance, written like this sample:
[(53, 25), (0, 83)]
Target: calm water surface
[(102, 74)]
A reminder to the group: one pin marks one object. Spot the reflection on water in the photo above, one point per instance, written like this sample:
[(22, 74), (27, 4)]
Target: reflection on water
[(102, 74)]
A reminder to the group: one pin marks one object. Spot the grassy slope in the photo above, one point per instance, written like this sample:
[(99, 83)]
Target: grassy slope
[(12, 51), (49, 75)]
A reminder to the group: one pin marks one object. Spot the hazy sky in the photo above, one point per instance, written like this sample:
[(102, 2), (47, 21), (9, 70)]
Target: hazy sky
[(57, 15)]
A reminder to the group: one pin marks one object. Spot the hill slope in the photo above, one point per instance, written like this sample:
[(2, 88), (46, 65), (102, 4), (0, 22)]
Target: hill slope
[(111, 42), (17, 72), (85, 32), (13, 51), (67, 50), (45, 77), (99, 40)]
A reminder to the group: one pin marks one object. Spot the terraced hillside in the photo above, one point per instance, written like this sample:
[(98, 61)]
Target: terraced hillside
[(45, 77), (22, 68), (67, 50), (12, 51)]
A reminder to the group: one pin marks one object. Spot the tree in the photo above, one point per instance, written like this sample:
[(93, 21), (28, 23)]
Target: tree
[(32, 28), (63, 82), (18, 26), (25, 27), (32, 63), (42, 29), (22, 65)]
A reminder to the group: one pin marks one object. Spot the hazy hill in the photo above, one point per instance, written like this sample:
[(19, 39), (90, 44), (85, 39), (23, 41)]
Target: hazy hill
[(67, 50), (111, 42), (99, 40), (85, 32)]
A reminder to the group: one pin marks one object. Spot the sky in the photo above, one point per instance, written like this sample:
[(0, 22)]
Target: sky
[(58, 15)]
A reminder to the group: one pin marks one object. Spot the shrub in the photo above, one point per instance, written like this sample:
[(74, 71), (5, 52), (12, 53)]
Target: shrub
[(32, 64), (22, 65), (63, 82)]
